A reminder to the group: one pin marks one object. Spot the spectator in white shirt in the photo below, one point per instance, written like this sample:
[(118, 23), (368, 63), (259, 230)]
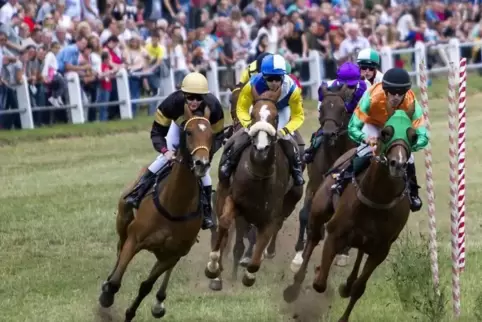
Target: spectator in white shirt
[(350, 46), (7, 11)]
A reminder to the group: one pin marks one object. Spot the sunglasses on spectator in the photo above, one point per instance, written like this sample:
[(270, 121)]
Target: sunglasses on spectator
[(370, 68), (194, 97), (273, 78)]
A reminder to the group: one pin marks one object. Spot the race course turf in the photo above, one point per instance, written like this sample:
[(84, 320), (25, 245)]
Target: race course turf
[(57, 238)]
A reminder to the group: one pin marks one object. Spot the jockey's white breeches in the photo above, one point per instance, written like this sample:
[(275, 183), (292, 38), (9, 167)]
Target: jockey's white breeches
[(172, 140), (284, 115), (372, 131)]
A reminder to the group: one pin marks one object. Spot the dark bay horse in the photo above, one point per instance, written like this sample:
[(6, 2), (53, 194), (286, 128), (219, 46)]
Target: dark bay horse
[(370, 213), (333, 119), (253, 195), (168, 220)]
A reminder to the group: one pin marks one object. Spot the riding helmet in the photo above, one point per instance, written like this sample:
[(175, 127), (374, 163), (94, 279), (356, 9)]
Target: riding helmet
[(195, 83), (273, 65), (259, 60), (368, 58), (396, 79)]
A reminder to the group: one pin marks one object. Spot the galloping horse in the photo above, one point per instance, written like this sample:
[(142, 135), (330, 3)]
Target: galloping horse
[(168, 220), (334, 120), (370, 213), (253, 195)]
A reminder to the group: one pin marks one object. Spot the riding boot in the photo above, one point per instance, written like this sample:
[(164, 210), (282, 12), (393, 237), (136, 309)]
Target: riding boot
[(309, 154), (134, 197), (207, 208), (415, 201), (293, 156), (230, 157)]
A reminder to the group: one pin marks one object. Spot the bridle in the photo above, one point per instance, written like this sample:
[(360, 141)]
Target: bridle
[(200, 147)]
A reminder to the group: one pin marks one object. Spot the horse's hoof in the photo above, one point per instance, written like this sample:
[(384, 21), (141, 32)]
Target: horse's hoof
[(211, 275), (269, 255), (249, 279), (344, 291), (216, 284), (158, 310), (296, 262), (291, 293), (341, 260), (244, 261), (319, 287), (106, 299)]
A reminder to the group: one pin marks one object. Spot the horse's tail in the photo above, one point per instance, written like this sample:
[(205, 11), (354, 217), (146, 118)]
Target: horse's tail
[(125, 213)]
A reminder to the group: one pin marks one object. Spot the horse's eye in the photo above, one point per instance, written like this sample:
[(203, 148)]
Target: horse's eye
[(188, 133)]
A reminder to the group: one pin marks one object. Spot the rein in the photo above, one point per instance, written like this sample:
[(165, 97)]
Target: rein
[(381, 159)]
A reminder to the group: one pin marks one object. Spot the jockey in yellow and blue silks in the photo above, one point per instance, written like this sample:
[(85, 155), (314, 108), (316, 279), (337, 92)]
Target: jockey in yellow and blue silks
[(290, 114)]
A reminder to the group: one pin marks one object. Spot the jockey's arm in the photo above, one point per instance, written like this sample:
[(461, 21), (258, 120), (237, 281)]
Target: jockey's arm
[(217, 115), (297, 114), (162, 122), (245, 100), (244, 76), (418, 123), (358, 119)]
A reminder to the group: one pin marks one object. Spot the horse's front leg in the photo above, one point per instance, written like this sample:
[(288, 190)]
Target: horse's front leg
[(262, 239)]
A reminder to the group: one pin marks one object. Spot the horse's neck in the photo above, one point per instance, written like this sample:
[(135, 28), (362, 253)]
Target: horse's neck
[(180, 188), (327, 155), (378, 185)]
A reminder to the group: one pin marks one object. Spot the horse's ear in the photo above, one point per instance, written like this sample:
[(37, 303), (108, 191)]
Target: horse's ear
[(412, 136), (324, 89), (254, 93), (387, 133), (207, 112)]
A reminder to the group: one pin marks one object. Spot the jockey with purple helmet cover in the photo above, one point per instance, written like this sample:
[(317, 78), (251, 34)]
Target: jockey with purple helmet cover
[(348, 74)]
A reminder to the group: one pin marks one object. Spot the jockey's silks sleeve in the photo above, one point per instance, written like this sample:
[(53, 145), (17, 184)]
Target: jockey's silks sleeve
[(297, 114), (216, 117), (245, 100), (358, 119), (244, 76), (418, 123), (166, 112)]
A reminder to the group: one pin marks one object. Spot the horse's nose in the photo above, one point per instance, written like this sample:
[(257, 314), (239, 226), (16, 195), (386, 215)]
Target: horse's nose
[(396, 164), (201, 162)]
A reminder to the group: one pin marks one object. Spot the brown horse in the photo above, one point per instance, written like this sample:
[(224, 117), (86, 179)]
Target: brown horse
[(334, 120), (168, 220), (252, 196), (370, 213)]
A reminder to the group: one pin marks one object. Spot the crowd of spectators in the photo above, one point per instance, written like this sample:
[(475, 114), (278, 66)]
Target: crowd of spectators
[(42, 40)]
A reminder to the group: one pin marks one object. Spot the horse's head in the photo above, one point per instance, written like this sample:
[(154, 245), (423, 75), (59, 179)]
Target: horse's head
[(196, 141), (395, 142), (333, 116), (264, 115)]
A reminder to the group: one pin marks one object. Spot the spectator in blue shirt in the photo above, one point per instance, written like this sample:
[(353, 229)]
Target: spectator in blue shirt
[(68, 57)]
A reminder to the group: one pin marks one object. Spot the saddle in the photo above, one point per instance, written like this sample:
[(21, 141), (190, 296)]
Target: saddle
[(156, 192)]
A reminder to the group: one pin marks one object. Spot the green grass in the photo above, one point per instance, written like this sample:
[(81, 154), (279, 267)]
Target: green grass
[(57, 235)]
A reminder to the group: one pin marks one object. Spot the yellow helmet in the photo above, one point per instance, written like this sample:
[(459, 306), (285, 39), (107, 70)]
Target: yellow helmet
[(195, 83)]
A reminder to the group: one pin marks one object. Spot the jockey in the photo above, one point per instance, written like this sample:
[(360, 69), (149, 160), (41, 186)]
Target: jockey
[(371, 114), (166, 130), (290, 114), (369, 61), (252, 69), (348, 74)]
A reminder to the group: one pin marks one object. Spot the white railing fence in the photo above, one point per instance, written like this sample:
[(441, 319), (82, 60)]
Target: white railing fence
[(77, 107)]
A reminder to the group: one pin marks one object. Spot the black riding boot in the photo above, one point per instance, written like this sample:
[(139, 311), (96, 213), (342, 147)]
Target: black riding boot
[(295, 162), (207, 208), (415, 201), (134, 197), (231, 155)]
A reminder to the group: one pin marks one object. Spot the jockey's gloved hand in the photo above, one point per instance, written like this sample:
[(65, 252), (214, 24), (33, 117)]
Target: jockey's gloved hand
[(169, 155), (281, 133)]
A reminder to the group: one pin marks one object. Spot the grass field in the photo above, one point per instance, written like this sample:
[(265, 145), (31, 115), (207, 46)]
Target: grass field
[(57, 234)]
